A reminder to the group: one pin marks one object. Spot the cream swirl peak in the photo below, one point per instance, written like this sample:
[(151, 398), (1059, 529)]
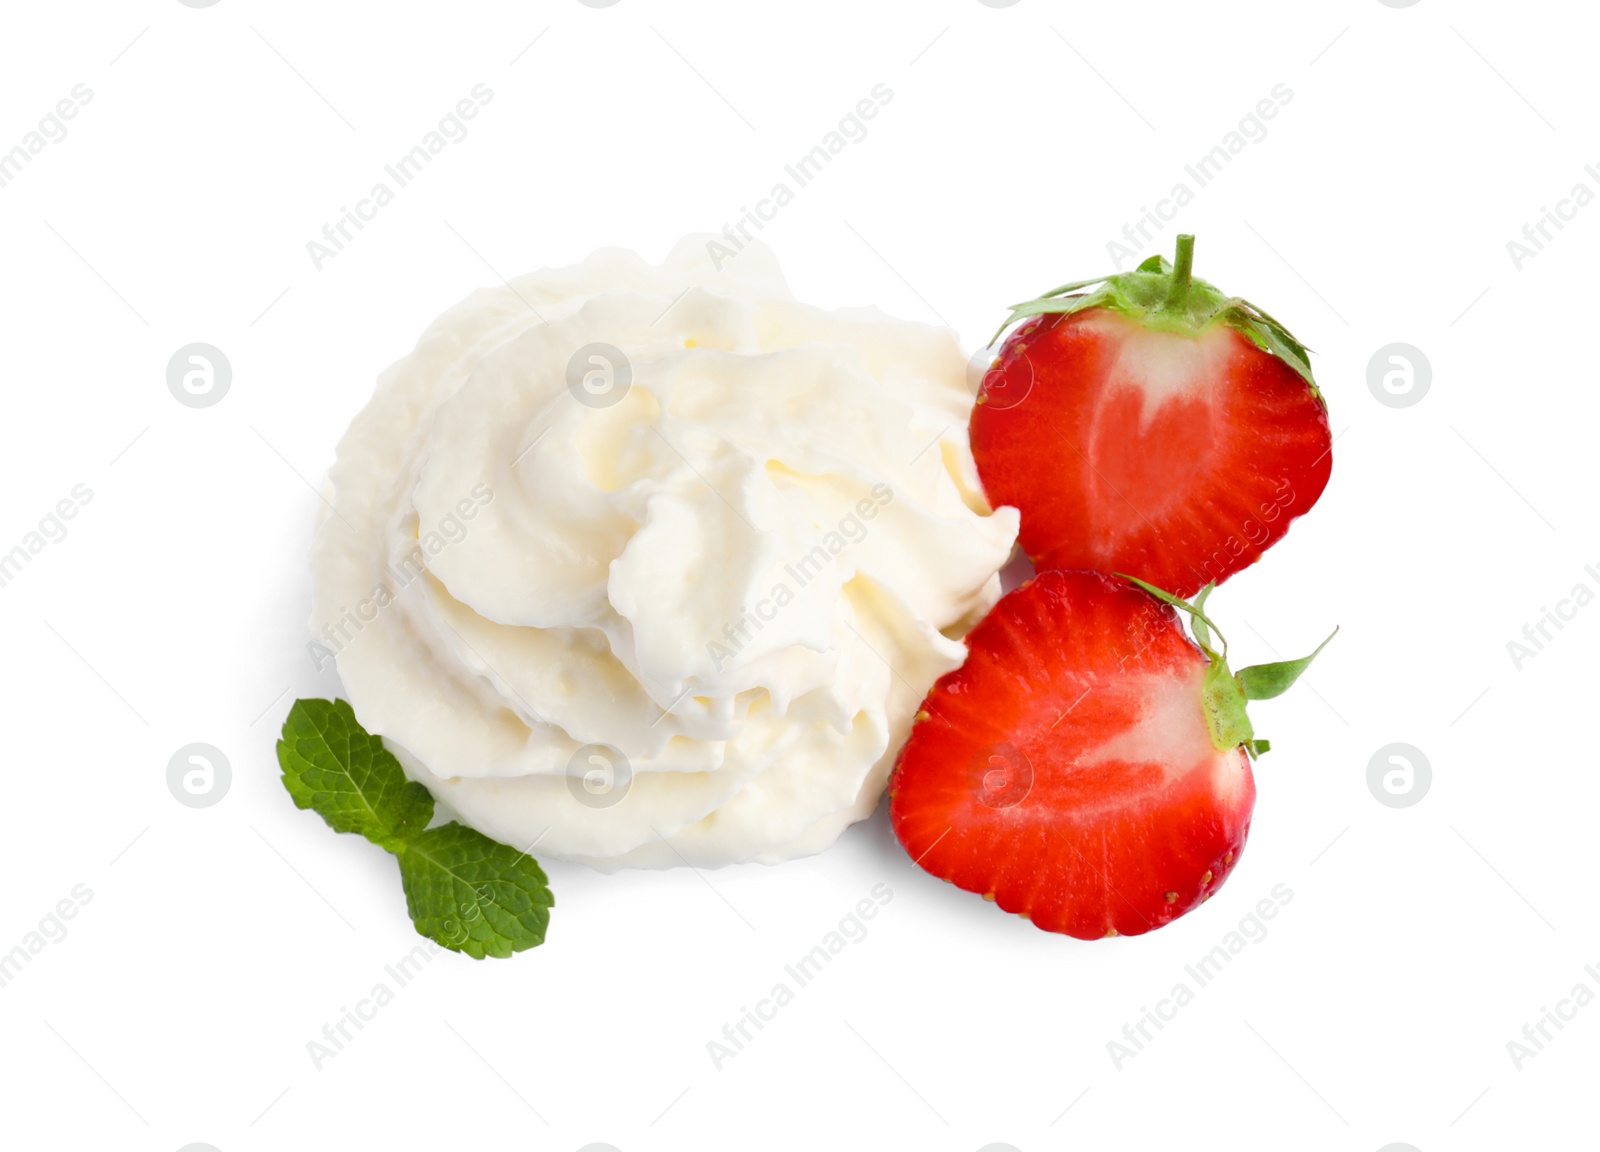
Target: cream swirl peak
[(652, 564)]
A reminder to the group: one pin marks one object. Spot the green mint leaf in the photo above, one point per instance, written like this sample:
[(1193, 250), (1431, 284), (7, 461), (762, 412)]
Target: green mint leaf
[(468, 892), (473, 894), (336, 768)]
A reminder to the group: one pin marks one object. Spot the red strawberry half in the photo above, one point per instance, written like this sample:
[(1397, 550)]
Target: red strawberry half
[(1151, 426), (1089, 765)]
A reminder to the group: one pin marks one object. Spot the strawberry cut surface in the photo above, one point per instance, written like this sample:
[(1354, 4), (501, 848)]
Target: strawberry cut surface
[(1066, 771), (1168, 445)]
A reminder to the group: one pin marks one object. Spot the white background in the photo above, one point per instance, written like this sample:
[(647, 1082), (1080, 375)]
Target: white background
[(1377, 209)]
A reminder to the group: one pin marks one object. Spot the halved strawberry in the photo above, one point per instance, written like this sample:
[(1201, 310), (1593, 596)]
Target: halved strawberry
[(1153, 426), (1088, 766)]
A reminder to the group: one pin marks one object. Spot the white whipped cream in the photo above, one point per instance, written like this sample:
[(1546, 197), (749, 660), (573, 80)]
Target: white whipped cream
[(740, 571)]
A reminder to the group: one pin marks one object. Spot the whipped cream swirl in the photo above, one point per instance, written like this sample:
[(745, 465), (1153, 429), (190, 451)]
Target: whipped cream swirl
[(652, 565)]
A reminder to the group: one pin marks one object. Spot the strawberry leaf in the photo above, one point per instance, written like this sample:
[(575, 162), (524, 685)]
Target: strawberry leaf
[(1054, 303), (1264, 681), (1075, 286), (1203, 624), (1225, 694), (1271, 336), (1197, 623)]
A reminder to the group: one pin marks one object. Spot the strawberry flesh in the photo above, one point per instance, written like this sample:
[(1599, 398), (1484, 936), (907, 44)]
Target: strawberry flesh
[(1178, 457), (1066, 770)]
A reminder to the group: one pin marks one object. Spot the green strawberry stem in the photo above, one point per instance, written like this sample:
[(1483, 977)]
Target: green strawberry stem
[(1168, 296), (1182, 268)]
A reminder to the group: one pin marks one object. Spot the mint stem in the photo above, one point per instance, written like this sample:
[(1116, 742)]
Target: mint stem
[(1182, 268)]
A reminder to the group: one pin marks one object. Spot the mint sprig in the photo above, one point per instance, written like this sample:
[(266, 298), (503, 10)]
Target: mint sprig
[(464, 890)]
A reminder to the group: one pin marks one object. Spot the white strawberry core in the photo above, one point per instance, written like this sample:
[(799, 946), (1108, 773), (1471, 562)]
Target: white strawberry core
[(1163, 366), (1170, 730)]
